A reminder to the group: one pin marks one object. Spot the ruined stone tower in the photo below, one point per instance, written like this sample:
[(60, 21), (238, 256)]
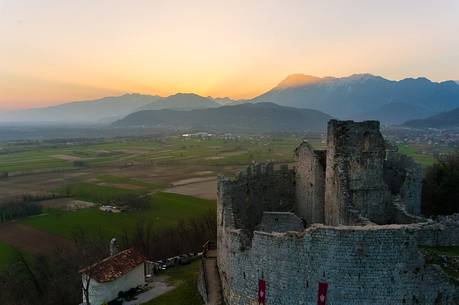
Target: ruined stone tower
[(347, 216), (355, 190), (310, 183)]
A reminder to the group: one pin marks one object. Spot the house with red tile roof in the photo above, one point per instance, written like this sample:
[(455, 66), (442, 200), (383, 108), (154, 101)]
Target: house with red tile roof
[(119, 272)]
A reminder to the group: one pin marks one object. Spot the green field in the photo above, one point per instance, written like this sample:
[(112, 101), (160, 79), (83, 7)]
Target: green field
[(164, 151), (7, 255), (93, 192), (165, 210), (171, 150), (184, 278), (423, 159), (30, 160), (126, 180), (106, 170)]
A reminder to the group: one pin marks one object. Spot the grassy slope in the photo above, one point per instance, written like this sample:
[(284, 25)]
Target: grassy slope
[(166, 209), (7, 254), (186, 292)]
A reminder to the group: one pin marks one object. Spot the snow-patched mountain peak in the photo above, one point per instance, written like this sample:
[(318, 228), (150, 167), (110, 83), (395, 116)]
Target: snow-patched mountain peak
[(297, 80)]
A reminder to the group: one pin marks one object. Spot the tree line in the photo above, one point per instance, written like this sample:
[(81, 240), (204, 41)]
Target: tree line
[(25, 205), (440, 186), (53, 279)]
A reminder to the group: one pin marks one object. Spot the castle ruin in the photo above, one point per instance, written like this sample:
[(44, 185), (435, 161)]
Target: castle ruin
[(348, 216)]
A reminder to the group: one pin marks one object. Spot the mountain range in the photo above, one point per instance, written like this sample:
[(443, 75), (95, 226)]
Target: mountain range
[(245, 117), (93, 111), (365, 96), (357, 97), (448, 119), (108, 109), (181, 101)]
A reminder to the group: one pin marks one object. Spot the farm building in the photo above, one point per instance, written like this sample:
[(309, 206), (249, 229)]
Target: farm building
[(120, 272)]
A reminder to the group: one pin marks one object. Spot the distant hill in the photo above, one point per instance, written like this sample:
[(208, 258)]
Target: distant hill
[(246, 117), (393, 113), (448, 119), (104, 109), (224, 101), (108, 109), (365, 96), (181, 101), (357, 97)]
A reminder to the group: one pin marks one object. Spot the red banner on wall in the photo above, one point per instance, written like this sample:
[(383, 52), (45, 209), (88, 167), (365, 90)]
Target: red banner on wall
[(322, 294), (261, 292)]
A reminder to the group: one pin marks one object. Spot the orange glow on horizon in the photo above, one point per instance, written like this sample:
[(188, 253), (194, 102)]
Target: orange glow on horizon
[(77, 50)]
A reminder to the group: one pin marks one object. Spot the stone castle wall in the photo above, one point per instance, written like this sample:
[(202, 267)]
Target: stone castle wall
[(443, 232), (310, 183), (404, 177), (348, 216), (354, 174), (280, 222), (378, 265), (260, 188)]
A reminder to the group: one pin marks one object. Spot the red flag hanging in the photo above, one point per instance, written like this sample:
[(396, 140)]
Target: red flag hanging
[(322, 294), (261, 292)]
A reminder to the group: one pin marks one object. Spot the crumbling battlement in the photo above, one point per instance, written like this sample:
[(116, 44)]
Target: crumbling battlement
[(260, 188), (403, 176), (348, 216), (280, 222), (310, 183), (354, 182)]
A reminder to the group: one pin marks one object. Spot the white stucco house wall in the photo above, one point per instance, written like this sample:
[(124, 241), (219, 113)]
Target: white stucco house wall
[(113, 274)]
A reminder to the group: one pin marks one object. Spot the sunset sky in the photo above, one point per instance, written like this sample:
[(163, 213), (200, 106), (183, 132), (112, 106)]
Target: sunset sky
[(52, 51)]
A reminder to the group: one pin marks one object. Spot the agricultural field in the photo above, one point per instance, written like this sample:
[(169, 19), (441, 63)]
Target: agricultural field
[(425, 159), (157, 151), (165, 210), (130, 164), (178, 176)]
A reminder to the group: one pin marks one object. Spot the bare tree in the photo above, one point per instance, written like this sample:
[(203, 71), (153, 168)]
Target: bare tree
[(90, 248)]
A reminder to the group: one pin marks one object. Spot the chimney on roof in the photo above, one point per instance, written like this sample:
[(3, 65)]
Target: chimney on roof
[(113, 247)]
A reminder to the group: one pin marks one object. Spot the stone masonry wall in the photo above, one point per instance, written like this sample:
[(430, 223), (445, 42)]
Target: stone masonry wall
[(404, 178), (377, 265), (354, 174), (356, 192), (280, 222), (443, 232), (259, 189), (310, 183)]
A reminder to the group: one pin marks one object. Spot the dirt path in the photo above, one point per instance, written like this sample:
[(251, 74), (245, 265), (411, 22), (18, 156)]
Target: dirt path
[(214, 288), (31, 240), (205, 188)]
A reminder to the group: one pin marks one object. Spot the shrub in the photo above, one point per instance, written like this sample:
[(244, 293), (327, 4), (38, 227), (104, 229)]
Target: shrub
[(440, 189)]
